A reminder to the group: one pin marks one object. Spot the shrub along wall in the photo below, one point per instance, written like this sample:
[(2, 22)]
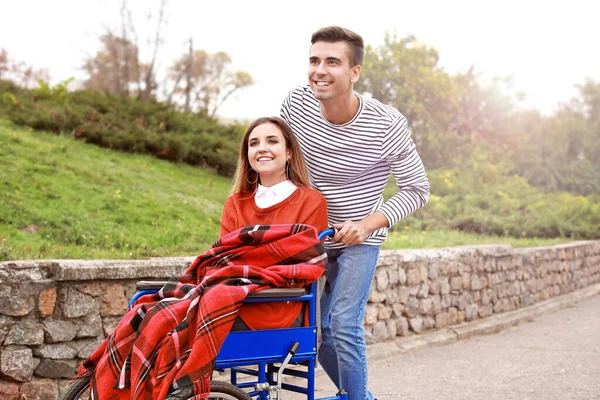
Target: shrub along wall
[(124, 123), (53, 314)]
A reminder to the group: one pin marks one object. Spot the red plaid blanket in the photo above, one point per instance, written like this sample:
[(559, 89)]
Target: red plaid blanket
[(171, 339)]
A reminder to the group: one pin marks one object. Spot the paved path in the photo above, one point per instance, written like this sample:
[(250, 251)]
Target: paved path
[(555, 356)]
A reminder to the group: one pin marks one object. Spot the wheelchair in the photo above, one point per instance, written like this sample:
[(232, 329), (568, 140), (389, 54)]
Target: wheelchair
[(257, 360)]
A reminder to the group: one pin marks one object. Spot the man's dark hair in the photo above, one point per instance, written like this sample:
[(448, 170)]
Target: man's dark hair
[(332, 34)]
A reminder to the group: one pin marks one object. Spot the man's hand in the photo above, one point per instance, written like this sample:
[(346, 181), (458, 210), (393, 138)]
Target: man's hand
[(351, 233)]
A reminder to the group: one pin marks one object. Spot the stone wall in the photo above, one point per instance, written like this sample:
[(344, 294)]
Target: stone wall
[(53, 314)]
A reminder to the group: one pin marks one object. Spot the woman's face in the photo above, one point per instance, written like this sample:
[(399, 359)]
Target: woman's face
[(267, 153)]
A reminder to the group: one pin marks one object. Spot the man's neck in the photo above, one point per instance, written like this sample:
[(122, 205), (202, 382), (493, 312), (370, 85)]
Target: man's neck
[(341, 110)]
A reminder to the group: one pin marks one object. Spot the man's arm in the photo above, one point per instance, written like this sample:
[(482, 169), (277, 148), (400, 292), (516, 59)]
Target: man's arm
[(407, 168), (351, 233)]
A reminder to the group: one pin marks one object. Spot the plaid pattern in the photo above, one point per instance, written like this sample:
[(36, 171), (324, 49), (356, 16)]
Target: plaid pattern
[(171, 339)]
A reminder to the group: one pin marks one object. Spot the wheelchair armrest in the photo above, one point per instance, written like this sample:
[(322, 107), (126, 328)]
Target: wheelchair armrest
[(278, 292), (264, 294)]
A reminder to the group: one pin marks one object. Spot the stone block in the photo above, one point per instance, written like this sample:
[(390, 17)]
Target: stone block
[(436, 286), (109, 324), (475, 282), (471, 312), (384, 312), (371, 314), (393, 275), (59, 331), (25, 333), (376, 296), (113, 301), (380, 331), (413, 290), (428, 322), (17, 304), (58, 351), (466, 281), (56, 369), (433, 270), (402, 327), (412, 308), (46, 302), (75, 304), (413, 277), (442, 320), (382, 279), (423, 273), (16, 364), (403, 294), (397, 310), (391, 296), (85, 347), (39, 389), (401, 276), (392, 328), (9, 390), (453, 315), (416, 324), (90, 326), (456, 284), (423, 291)]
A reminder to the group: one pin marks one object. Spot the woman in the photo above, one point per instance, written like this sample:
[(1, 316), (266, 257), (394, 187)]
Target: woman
[(271, 187)]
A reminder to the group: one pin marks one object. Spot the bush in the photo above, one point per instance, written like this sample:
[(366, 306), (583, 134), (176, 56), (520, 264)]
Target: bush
[(125, 124), (484, 198)]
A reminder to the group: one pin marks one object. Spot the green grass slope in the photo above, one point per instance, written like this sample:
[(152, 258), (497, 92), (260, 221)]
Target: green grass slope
[(61, 198)]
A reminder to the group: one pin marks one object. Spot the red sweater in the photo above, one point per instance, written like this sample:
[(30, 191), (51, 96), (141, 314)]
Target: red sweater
[(304, 206)]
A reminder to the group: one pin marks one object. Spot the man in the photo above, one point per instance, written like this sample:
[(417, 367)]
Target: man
[(351, 145)]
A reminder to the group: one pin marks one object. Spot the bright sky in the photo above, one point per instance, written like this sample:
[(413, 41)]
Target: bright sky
[(547, 46)]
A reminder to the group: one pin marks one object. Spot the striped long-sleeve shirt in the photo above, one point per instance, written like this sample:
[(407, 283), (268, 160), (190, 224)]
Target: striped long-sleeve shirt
[(350, 164)]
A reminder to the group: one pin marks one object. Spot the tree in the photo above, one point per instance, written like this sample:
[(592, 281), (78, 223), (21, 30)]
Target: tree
[(405, 74), (19, 72), (117, 68), (205, 80)]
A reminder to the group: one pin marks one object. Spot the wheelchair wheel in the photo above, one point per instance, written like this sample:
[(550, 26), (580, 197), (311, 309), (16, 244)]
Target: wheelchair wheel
[(78, 390), (226, 391), (218, 391)]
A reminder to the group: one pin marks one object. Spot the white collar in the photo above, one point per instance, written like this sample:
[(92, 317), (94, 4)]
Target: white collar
[(280, 189), (268, 196)]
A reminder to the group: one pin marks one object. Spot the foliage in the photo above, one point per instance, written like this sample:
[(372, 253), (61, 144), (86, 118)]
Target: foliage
[(406, 75), (126, 124), (454, 117), (19, 72), (205, 80), (64, 199), (115, 68), (484, 198)]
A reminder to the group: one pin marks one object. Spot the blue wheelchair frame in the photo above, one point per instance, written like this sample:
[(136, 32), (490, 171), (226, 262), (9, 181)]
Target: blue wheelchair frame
[(262, 349)]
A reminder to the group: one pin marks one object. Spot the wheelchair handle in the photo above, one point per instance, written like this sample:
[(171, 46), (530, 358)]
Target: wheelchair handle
[(329, 232)]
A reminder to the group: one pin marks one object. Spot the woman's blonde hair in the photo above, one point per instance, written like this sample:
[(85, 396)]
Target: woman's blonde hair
[(246, 179)]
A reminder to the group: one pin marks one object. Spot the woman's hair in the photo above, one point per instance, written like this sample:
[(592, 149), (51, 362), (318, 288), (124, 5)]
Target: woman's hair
[(332, 34), (247, 180)]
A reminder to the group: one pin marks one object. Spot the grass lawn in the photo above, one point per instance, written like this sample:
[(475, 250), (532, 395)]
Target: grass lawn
[(61, 198), (65, 199)]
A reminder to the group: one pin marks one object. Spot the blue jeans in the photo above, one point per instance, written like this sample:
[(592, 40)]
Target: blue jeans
[(343, 353)]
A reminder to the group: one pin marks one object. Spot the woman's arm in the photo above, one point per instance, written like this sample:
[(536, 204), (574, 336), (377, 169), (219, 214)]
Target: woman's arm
[(228, 218)]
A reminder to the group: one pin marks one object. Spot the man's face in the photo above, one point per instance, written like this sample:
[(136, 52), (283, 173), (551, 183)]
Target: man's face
[(329, 72)]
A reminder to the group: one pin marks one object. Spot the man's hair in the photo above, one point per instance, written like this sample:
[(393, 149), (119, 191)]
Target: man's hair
[(332, 34)]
